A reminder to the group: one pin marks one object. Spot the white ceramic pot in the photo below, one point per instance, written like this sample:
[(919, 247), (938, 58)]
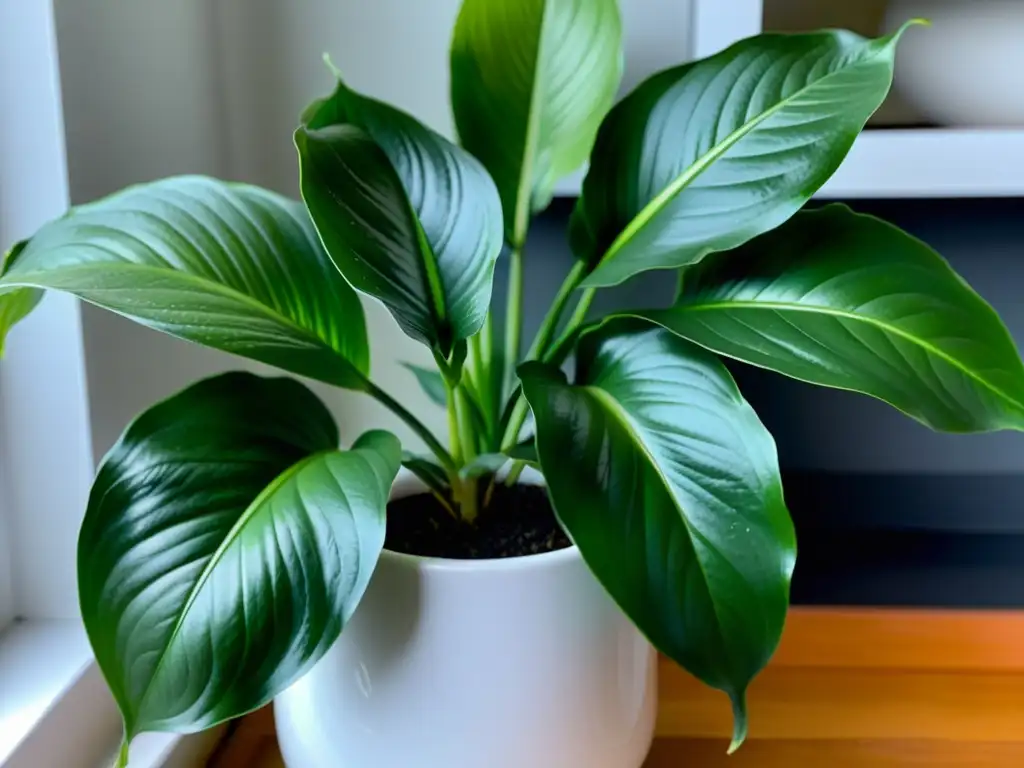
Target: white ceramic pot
[(966, 69), (514, 663)]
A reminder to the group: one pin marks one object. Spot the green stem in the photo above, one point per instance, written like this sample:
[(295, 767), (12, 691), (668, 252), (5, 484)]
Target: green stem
[(467, 435), (513, 317), (469, 504), (550, 322), (509, 411), (481, 348), (454, 436), (417, 426), (515, 472), (557, 352), (122, 755), (515, 423)]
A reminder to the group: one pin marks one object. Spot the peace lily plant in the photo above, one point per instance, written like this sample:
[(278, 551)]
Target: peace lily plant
[(228, 539)]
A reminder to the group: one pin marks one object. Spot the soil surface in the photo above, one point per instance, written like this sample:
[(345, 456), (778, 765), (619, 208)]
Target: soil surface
[(518, 521)]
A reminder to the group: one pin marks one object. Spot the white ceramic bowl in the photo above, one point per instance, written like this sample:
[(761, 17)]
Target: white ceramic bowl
[(968, 68)]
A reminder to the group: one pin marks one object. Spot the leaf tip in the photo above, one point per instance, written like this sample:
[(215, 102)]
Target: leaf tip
[(331, 66), (915, 22), (739, 719)]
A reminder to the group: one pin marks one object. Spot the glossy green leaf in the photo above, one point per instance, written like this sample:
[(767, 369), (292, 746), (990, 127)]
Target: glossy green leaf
[(226, 543), (705, 156), (431, 382), (669, 484), (407, 216), (846, 300), (427, 470), (530, 82), (229, 266)]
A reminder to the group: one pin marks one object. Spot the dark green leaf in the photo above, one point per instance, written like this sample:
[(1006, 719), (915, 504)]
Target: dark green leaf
[(406, 215), (849, 301), (226, 265), (669, 484), (705, 156), (484, 464), (431, 382), (226, 543), (525, 451), (427, 470), (531, 80)]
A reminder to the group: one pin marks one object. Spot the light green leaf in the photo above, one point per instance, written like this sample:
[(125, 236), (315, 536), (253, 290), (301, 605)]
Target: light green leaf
[(14, 307), (530, 82), (229, 266), (669, 484), (431, 382), (15, 303), (705, 156), (226, 544), (845, 300), (407, 216)]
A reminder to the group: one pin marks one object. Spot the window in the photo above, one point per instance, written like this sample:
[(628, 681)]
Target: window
[(45, 462), (55, 708)]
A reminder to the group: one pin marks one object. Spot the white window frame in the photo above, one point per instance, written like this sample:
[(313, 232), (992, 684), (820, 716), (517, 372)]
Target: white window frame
[(44, 425), (55, 708)]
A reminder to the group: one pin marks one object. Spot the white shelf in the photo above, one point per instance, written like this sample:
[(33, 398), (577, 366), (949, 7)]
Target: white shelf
[(932, 162), (919, 162)]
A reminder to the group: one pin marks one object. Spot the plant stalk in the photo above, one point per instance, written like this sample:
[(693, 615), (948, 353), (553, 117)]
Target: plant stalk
[(467, 435), (558, 351), (542, 348), (417, 426), (515, 472), (481, 347), (513, 318), (550, 323), (122, 755), (454, 434)]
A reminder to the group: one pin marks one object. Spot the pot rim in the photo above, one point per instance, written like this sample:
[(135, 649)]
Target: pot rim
[(407, 484)]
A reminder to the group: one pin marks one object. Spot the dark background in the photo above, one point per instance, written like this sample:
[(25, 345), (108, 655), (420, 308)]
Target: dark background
[(887, 512)]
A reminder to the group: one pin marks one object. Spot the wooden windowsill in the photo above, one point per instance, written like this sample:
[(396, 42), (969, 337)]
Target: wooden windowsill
[(848, 688)]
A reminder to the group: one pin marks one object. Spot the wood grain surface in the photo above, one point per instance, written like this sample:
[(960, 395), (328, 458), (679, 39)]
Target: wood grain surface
[(847, 689)]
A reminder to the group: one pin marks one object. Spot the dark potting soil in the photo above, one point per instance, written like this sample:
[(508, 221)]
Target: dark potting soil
[(518, 521)]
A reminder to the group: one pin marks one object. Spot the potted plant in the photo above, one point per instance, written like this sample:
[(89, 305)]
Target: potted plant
[(232, 553)]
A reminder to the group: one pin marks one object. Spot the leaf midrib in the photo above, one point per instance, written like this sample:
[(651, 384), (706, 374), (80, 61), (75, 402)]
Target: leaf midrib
[(779, 306), (25, 281), (524, 190), (681, 182), (229, 539), (617, 411)]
